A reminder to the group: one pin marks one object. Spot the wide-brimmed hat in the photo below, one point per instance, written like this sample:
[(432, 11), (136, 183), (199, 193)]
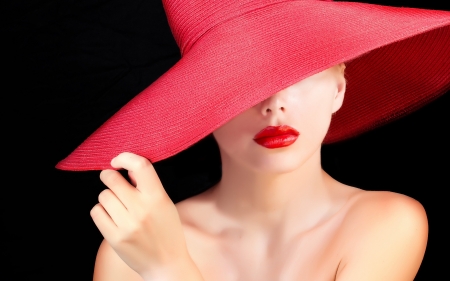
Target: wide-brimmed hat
[(237, 53)]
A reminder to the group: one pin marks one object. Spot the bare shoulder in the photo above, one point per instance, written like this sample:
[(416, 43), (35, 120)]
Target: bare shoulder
[(386, 207), (385, 236), (109, 266)]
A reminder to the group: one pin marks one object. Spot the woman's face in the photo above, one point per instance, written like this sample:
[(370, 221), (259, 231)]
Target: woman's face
[(306, 106)]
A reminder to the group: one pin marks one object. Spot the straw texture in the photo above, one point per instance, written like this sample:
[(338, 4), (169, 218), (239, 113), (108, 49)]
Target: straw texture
[(235, 54)]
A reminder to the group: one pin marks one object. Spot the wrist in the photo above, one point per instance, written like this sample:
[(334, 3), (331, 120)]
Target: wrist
[(185, 270)]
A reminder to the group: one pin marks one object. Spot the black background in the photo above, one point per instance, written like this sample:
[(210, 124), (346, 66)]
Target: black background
[(69, 65)]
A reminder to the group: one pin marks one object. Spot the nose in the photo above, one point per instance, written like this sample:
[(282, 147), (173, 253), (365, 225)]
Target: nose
[(273, 105)]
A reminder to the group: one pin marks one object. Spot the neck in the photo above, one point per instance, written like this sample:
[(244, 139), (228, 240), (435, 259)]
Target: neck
[(266, 200)]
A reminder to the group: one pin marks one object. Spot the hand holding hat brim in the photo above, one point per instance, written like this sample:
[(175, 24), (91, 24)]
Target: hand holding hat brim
[(140, 223)]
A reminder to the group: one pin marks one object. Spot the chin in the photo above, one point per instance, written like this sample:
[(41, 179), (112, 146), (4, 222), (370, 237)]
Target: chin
[(277, 163), (261, 160)]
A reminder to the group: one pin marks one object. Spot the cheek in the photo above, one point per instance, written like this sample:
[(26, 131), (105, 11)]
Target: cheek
[(314, 118), (233, 137)]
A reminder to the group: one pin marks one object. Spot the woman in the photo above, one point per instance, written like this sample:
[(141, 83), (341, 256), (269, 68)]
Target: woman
[(275, 214)]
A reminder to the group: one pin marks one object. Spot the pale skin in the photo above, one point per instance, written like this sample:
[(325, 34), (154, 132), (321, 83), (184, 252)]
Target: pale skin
[(275, 214)]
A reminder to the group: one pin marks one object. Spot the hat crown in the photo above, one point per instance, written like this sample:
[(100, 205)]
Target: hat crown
[(189, 20)]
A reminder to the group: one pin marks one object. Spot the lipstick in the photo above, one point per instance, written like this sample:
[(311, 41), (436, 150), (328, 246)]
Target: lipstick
[(276, 136)]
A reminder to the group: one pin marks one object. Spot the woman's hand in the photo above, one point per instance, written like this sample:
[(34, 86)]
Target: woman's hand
[(140, 223)]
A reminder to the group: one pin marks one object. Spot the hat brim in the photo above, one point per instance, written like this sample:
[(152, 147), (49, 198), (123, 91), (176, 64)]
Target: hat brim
[(397, 60)]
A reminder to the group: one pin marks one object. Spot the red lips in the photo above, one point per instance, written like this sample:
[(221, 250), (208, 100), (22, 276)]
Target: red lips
[(276, 136)]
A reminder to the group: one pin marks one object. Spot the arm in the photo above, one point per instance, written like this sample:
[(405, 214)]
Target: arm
[(110, 267), (388, 242)]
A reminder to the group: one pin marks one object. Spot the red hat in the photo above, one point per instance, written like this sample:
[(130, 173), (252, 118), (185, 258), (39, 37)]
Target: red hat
[(237, 53)]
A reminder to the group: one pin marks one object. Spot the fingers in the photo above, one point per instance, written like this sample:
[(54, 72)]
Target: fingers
[(124, 191), (114, 208), (147, 181), (104, 223)]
